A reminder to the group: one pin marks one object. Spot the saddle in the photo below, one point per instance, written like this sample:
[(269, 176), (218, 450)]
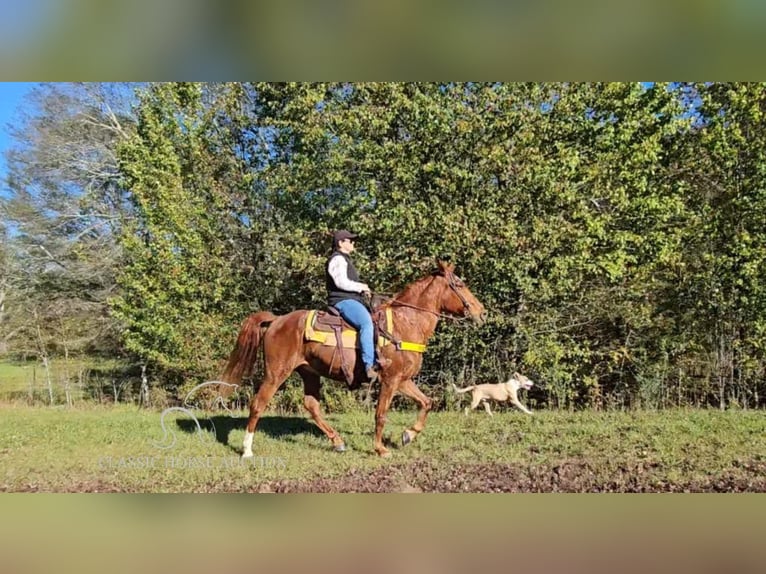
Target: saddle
[(329, 329)]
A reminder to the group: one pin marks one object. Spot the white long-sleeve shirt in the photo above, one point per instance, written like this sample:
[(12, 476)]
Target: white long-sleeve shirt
[(338, 270)]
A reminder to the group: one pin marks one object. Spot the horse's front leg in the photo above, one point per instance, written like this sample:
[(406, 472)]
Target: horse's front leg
[(387, 390), (272, 381), (410, 389)]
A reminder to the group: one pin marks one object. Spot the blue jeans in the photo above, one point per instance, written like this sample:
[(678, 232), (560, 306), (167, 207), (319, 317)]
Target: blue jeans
[(358, 317)]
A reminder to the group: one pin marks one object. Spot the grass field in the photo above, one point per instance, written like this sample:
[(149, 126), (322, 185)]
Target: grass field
[(124, 449), (14, 377)]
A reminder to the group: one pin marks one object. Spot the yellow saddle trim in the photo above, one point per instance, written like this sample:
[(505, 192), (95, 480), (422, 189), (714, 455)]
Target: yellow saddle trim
[(403, 345), (407, 346), (349, 336)]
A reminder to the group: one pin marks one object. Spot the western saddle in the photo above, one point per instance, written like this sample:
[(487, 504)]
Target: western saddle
[(329, 329)]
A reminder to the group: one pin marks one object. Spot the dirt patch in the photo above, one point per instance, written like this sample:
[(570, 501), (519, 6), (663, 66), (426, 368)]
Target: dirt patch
[(570, 476)]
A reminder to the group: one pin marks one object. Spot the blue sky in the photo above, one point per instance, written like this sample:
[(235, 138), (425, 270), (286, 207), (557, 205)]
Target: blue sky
[(11, 96)]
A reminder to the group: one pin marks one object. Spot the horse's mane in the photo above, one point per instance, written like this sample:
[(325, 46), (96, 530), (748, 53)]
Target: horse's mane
[(413, 290)]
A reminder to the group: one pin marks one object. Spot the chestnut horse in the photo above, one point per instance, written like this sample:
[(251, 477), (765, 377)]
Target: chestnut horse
[(415, 311)]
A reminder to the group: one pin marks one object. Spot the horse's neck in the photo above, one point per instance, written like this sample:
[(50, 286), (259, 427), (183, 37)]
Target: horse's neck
[(419, 320)]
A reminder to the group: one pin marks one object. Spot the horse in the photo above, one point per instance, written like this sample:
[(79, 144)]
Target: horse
[(413, 315)]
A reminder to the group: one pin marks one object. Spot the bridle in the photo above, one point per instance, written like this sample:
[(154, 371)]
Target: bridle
[(455, 284)]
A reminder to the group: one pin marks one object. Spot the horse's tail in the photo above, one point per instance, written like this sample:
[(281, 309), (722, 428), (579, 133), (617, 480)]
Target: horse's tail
[(465, 390), (242, 358)]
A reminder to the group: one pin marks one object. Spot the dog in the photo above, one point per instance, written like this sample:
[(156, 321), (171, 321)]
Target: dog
[(507, 391)]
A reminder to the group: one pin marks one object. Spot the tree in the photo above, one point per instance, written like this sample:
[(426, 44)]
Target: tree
[(182, 283), (64, 205), (721, 292)]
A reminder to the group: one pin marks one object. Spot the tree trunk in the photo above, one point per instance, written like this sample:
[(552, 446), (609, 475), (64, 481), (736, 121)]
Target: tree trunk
[(144, 387), (46, 366)]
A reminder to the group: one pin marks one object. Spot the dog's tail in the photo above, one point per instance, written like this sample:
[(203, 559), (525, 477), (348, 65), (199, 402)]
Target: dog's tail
[(465, 390)]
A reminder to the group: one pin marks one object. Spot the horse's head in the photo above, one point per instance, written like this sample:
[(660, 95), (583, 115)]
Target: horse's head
[(457, 298)]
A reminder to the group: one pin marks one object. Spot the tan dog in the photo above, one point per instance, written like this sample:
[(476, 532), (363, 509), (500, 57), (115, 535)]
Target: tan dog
[(507, 391)]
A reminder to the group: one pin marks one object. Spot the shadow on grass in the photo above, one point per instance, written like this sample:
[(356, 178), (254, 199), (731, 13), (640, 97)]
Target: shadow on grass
[(273, 426)]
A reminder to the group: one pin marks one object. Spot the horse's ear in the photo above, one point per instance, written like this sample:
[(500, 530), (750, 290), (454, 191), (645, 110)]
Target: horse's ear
[(445, 266)]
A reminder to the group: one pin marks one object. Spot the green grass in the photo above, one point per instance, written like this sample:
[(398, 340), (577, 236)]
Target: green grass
[(120, 448), (14, 377)]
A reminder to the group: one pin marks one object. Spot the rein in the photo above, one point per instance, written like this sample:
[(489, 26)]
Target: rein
[(442, 315), (453, 285)]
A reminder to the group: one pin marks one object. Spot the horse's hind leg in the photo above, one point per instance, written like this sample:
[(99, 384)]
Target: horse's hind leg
[(311, 383), (410, 389), (259, 402)]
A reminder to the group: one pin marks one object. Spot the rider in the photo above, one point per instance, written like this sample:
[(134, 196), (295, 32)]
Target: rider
[(346, 293)]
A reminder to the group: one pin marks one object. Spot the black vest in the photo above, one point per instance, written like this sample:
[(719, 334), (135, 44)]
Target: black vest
[(335, 293)]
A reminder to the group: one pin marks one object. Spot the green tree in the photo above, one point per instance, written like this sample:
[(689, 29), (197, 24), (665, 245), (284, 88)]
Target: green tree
[(721, 289), (182, 281)]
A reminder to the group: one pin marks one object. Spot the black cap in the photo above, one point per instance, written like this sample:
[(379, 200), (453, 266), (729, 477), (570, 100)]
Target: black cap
[(342, 234)]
